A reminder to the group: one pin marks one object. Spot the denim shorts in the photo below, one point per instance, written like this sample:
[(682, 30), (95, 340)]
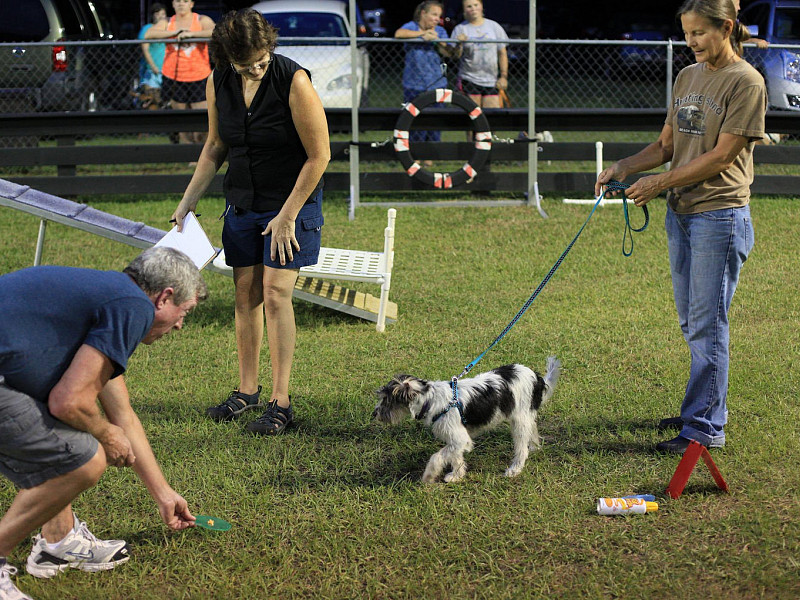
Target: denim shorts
[(34, 446), (245, 246)]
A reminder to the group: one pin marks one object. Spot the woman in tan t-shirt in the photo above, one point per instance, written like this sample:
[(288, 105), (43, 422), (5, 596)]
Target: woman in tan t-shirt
[(716, 116)]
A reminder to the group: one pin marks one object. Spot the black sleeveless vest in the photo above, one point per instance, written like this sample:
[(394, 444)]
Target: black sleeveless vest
[(265, 154)]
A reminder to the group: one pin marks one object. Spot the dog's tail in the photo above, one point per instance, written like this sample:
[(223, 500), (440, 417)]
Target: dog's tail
[(551, 377)]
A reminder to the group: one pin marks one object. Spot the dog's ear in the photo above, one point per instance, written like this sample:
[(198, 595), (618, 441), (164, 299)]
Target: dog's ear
[(385, 392), (391, 390), (406, 387)]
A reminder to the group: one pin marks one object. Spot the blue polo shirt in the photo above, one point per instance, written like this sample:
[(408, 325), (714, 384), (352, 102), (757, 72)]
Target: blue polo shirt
[(47, 313)]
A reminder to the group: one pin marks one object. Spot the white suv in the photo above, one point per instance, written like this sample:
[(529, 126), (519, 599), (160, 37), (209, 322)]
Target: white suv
[(329, 59)]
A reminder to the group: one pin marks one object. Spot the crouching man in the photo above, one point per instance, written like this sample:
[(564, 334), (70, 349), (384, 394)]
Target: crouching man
[(66, 335)]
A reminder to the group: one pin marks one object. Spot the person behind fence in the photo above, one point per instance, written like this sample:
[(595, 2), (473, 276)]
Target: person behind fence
[(747, 36), (186, 64), (57, 359), (266, 119), (423, 68), (716, 116), (152, 61), (483, 68)]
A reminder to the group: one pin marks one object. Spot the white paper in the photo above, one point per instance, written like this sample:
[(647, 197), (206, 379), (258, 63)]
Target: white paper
[(191, 240)]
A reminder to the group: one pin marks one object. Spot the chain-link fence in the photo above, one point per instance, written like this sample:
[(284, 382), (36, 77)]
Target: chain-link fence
[(74, 76), (570, 74)]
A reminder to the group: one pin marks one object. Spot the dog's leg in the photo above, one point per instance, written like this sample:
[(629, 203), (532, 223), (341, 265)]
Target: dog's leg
[(460, 443), (535, 442), (458, 466), (525, 434), (452, 454), (435, 466)]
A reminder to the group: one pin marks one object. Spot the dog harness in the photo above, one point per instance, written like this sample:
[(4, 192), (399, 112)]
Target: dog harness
[(454, 403)]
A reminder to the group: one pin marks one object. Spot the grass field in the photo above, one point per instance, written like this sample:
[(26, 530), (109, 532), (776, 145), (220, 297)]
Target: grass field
[(336, 509)]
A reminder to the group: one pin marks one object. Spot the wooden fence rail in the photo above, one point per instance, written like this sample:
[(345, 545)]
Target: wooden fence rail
[(67, 128)]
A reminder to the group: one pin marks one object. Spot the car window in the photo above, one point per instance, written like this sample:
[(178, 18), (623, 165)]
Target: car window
[(308, 24), (757, 15), (79, 18), (787, 24), (23, 21)]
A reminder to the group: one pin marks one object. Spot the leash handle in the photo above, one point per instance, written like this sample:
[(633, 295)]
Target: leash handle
[(628, 231)]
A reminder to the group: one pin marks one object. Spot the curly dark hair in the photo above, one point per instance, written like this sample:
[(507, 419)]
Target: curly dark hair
[(239, 35)]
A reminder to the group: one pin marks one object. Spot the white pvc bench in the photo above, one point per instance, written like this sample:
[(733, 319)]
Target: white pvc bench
[(348, 265)]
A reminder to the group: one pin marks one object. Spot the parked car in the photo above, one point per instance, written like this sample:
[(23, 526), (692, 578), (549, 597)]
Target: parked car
[(638, 60), (778, 22), (643, 59), (55, 76), (328, 60)]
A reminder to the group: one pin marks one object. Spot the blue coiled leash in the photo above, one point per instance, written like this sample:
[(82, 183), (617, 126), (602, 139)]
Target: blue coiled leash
[(614, 185), (611, 186)]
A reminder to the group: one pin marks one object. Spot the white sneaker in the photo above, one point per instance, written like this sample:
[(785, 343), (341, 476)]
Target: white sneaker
[(8, 591), (79, 550)]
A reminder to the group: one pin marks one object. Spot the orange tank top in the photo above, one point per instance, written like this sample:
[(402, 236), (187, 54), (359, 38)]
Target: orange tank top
[(186, 62)]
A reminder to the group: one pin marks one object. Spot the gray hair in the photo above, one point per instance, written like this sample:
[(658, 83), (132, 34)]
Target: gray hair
[(717, 12), (160, 267)]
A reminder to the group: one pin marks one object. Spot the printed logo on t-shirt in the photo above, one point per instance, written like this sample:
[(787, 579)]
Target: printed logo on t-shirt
[(692, 120)]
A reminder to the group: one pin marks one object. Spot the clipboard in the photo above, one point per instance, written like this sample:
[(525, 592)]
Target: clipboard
[(192, 241)]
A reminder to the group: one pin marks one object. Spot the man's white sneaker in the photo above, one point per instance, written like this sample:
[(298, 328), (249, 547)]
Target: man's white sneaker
[(8, 591), (80, 549)]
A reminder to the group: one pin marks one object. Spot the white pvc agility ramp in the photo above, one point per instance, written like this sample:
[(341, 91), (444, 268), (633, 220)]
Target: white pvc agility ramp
[(334, 264)]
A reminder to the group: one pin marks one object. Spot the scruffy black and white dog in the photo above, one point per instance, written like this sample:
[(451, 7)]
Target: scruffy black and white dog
[(513, 393)]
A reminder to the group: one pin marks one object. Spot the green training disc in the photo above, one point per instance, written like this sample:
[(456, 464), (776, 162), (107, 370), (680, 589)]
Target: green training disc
[(212, 523)]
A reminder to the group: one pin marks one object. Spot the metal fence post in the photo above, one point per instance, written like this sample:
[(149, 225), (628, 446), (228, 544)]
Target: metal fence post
[(355, 188), (533, 147), (670, 55), (670, 59)]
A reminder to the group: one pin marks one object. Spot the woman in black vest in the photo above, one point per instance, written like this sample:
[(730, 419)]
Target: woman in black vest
[(265, 117)]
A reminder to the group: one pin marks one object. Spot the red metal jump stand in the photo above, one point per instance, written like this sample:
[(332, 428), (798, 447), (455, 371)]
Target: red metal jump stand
[(686, 466)]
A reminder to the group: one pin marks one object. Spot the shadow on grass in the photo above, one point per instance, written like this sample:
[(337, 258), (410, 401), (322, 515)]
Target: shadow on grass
[(318, 454), (218, 310), (599, 435), (311, 316)]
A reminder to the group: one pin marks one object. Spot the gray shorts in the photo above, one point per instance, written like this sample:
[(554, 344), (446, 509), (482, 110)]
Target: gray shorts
[(34, 446)]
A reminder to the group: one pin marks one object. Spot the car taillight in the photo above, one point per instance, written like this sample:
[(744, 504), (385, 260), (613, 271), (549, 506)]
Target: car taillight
[(59, 58)]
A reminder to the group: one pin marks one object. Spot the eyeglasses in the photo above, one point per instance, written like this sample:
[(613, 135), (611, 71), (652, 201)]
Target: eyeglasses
[(260, 66)]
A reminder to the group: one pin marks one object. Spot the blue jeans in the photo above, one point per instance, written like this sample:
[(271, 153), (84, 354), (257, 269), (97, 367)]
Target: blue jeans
[(706, 253)]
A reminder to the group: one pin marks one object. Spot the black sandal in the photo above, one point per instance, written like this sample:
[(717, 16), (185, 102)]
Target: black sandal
[(274, 420), (234, 405)]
